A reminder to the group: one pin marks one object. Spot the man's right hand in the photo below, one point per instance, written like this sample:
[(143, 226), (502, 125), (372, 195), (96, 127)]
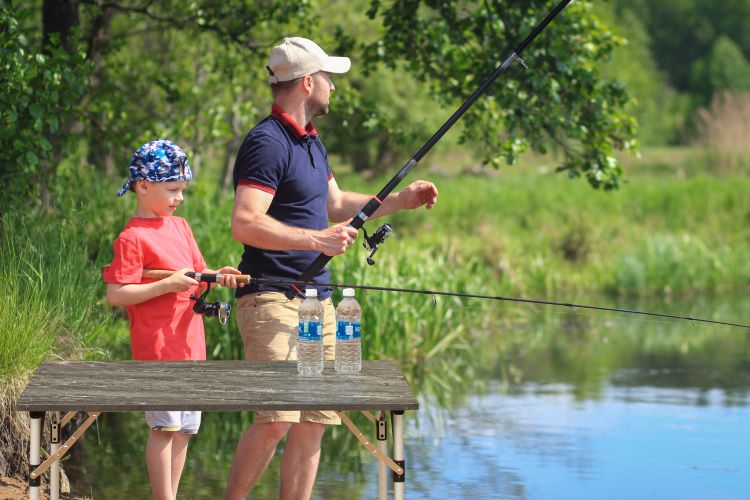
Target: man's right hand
[(336, 239)]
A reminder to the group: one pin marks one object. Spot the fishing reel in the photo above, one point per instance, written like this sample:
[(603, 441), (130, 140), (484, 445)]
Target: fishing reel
[(372, 243), (221, 310)]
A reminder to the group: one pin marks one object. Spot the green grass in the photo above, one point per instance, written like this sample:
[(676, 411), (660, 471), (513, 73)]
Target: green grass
[(51, 293), (51, 306)]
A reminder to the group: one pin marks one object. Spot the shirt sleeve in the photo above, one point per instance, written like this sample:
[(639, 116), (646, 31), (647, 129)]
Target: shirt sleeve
[(329, 170), (127, 263), (261, 163)]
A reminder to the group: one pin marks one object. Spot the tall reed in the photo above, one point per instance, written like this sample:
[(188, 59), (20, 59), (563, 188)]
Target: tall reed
[(51, 297), (723, 128)]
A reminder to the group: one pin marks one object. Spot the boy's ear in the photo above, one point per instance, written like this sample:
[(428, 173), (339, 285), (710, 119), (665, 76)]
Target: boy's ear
[(140, 186)]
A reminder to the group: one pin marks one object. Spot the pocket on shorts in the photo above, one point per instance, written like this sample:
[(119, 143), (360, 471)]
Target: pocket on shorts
[(268, 325)]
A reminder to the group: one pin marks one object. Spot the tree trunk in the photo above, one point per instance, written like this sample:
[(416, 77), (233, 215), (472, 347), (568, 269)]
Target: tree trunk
[(100, 153), (59, 17), (197, 146), (230, 153)]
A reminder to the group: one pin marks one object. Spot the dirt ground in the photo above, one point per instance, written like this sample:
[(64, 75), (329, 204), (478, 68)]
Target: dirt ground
[(13, 489), (17, 489)]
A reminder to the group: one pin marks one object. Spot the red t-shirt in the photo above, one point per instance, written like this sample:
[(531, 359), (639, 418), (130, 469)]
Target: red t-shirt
[(164, 327)]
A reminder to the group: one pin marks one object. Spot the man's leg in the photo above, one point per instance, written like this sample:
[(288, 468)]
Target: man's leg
[(253, 454), (299, 463)]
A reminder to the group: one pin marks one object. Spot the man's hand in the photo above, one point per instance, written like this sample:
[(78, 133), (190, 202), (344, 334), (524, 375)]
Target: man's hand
[(229, 280), (178, 282), (336, 239), (418, 193)]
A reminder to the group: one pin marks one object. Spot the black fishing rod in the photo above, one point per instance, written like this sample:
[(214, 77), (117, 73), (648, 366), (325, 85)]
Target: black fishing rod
[(247, 279), (375, 202)]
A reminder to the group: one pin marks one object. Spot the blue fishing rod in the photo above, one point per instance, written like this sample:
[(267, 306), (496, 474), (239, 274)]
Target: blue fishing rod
[(373, 242)]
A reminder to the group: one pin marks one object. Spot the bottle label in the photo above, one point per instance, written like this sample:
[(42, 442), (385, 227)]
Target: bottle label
[(310, 330), (347, 330)]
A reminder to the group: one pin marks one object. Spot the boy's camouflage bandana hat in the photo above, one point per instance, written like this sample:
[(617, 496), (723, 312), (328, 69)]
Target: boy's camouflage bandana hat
[(158, 161)]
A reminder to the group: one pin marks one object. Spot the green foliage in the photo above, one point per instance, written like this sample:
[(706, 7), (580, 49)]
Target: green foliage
[(724, 69), (562, 101), (684, 32), (659, 109), (39, 93)]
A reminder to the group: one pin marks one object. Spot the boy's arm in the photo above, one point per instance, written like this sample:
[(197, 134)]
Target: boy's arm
[(135, 293)]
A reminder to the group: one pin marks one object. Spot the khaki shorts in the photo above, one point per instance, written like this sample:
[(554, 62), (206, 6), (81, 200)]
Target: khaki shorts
[(269, 323)]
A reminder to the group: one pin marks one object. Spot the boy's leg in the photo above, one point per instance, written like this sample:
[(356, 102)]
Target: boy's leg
[(190, 422), (179, 452), (159, 463)]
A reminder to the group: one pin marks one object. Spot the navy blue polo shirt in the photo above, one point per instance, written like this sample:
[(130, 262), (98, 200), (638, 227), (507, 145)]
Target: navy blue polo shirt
[(280, 157)]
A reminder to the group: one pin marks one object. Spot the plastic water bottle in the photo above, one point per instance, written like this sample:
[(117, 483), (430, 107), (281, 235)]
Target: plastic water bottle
[(310, 338), (348, 335)]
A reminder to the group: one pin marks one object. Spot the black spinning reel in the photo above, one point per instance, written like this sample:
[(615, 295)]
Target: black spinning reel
[(372, 243), (221, 310)]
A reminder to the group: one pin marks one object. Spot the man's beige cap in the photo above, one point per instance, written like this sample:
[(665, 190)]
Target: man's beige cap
[(297, 57)]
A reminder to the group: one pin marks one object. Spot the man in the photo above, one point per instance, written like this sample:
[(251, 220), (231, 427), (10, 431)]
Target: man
[(285, 195)]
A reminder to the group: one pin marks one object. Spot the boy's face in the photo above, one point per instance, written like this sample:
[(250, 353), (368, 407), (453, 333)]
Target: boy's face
[(159, 199)]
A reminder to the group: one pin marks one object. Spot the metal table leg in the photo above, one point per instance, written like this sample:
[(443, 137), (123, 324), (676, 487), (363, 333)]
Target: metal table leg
[(381, 431), (398, 454), (35, 452), (54, 472)]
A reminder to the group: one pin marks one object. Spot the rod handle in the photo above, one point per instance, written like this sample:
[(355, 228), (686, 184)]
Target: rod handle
[(160, 274)]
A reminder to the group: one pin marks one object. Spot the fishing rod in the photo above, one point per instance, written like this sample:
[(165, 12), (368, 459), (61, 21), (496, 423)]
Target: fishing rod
[(374, 203), (247, 279)]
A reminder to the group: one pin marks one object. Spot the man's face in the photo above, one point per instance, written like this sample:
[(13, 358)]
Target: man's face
[(323, 86)]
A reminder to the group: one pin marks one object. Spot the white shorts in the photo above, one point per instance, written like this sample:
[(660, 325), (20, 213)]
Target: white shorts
[(186, 422)]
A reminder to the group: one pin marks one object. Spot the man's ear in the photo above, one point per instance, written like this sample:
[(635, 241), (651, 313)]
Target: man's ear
[(307, 83)]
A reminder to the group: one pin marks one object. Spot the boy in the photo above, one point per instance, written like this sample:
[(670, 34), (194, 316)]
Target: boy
[(163, 325)]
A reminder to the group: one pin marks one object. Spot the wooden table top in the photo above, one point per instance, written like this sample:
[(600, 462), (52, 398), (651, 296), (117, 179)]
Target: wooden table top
[(212, 386)]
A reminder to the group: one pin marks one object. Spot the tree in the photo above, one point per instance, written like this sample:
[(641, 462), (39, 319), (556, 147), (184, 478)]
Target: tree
[(563, 100), (42, 81), (724, 69)]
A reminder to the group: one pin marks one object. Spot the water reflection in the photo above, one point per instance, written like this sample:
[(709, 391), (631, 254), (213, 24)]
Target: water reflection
[(543, 442), (556, 404)]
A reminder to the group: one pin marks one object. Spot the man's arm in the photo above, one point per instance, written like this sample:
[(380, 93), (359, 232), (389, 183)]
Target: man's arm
[(344, 205), (252, 226)]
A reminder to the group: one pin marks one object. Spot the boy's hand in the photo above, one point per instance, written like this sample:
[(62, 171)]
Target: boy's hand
[(178, 282), (229, 280)]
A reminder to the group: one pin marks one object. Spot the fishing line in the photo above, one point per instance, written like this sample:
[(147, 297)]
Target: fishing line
[(569, 305)]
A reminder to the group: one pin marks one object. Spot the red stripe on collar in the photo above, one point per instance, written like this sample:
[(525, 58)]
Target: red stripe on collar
[(289, 122)]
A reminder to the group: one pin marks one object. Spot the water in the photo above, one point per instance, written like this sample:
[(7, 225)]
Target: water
[(309, 357), (348, 335), (600, 409), (310, 338), (348, 357)]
